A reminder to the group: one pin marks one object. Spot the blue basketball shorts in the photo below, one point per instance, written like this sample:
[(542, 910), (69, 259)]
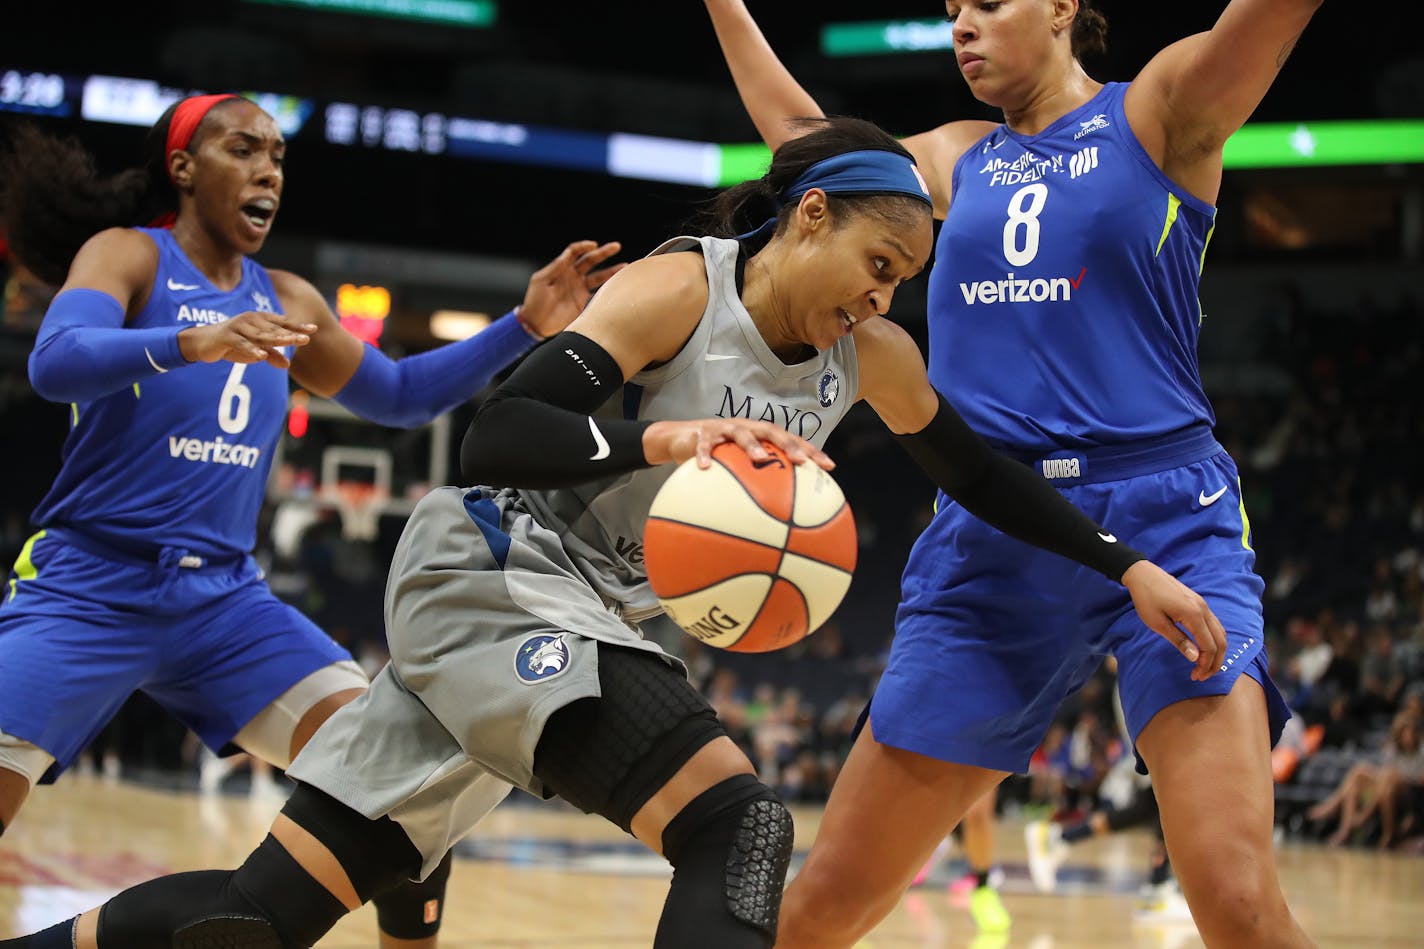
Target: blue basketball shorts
[(82, 628), (992, 634)]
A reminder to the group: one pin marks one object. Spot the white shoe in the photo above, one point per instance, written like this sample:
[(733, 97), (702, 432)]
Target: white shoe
[(1046, 850), (212, 771), (1163, 903)]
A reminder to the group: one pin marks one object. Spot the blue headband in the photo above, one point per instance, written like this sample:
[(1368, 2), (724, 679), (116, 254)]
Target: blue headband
[(869, 171)]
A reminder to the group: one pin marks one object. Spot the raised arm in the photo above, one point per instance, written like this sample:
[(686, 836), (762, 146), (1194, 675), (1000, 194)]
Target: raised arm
[(774, 99), (1009, 496), (771, 95), (1191, 97)]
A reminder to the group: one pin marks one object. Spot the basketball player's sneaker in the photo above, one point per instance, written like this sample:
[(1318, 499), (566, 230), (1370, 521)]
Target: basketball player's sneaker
[(988, 910), (1046, 850), (1163, 903), (969, 882)]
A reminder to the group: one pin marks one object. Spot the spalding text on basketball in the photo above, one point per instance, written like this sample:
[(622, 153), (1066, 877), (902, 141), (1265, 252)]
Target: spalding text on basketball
[(714, 624)]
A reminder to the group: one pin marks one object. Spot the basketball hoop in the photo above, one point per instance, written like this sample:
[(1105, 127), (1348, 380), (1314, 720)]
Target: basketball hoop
[(360, 503)]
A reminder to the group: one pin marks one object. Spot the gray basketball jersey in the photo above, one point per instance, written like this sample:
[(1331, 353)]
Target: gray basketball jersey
[(725, 370)]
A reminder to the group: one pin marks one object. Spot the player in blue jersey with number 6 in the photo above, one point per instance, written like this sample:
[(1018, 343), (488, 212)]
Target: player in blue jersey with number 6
[(175, 350), (1063, 322)]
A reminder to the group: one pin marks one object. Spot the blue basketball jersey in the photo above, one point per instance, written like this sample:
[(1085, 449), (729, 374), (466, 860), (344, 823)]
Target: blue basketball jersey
[(180, 459), (1063, 302)]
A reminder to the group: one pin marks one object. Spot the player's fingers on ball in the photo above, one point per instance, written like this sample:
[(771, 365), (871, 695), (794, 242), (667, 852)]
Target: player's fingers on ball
[(750, 442), (790, 445)]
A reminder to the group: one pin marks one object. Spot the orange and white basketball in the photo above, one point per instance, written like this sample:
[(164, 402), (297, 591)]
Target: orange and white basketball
[(749, 555)]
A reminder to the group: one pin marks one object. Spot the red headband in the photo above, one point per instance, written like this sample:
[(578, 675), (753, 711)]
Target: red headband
[(186, 119)]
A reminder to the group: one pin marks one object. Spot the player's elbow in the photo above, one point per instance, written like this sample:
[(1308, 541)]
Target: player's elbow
[(477, 463), (50, 377)]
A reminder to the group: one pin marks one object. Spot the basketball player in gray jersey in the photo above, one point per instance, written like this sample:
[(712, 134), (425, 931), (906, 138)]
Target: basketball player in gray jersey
[(724, 370), (513, 612)]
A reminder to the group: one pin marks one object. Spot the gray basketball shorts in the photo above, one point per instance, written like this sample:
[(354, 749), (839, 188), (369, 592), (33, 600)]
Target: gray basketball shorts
[(491, 630)]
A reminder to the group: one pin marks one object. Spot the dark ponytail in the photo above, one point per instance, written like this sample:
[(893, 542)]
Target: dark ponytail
[(746, 206), (53, 199), (1090, 31)]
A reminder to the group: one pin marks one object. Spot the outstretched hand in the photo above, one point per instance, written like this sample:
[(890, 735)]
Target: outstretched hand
[(247, 338), (1168, 606), (559, 290)]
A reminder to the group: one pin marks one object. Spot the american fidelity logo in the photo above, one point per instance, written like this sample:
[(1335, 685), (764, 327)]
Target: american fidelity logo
[(1027, 168)]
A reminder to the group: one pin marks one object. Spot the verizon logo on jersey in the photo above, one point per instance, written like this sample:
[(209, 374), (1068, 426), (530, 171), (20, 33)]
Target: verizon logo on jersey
[(216, 452), (1013, 289)]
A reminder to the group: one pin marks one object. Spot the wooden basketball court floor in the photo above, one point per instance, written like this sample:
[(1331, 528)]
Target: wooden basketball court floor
[(537, 876)]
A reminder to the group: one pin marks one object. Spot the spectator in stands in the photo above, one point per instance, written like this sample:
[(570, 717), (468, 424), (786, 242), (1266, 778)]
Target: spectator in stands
[(1377, 786)]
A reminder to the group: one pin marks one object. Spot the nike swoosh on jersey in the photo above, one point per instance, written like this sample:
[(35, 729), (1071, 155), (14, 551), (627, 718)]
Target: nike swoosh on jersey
[(1206, 500), (599, 441), (1107, 538), (172, 285), (151, 361), (713, 357)]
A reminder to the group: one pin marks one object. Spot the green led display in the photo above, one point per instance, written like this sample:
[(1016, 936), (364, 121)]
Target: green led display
[(1286, 144), (1263, 145), (885, 36), (466, 13)]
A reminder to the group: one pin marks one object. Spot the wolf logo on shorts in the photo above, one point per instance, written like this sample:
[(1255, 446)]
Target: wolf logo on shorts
[(541, 658)]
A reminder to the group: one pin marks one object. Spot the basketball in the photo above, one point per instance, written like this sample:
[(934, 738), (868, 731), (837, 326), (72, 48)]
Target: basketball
[(749, 555)]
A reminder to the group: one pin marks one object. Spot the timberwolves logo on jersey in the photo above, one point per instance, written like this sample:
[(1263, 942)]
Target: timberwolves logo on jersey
[(541, 658), (828, 388)]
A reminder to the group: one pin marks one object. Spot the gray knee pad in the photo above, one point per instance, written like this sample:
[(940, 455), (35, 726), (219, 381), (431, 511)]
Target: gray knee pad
[(741, 832)]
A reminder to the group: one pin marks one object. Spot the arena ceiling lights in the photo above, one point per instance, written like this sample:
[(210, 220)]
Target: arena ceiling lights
[(140, 102)]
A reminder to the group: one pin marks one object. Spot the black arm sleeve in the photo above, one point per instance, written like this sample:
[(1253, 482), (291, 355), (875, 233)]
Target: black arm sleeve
[(536, 430), (1009, 496)]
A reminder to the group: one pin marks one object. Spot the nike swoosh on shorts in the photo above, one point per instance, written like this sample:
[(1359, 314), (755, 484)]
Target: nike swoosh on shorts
[(1207, 500)]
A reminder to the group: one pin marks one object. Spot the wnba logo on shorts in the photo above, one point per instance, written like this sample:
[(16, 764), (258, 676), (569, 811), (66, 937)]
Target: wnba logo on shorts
[(540, 658)]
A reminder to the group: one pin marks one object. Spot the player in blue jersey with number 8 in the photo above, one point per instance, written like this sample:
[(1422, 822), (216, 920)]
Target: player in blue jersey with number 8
[(1063, 322), (175, 349)]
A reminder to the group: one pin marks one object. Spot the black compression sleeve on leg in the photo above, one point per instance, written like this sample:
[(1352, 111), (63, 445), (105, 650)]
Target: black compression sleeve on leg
[(412, 910), (58, 936), (377, 855), (269, 893), (1009, 496), (550, 398)]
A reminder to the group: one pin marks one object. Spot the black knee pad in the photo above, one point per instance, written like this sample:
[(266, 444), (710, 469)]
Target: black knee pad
[(269, 902), (608, 755), (376, 854), (412, 910), (738, 830)]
